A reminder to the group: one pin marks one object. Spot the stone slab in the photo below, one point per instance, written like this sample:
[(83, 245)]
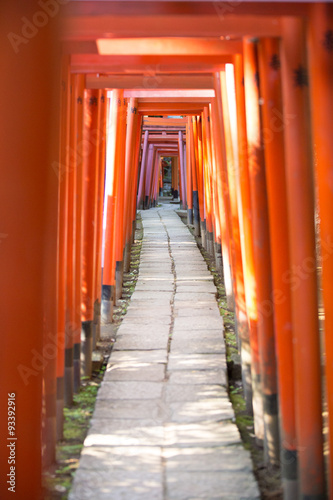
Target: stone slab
[(130, 390), (211, 485), (193, 392), (199, 322), (105, 432), (144, 329), (133, 358), (140, 342), (192, 345), (205, 434), (135, 409), (151, 372), (211, 310), (196, 362), (217, 459), (199, 377), (212, 410), (149, 294), (119, 458), (195, 296), (121, 485)]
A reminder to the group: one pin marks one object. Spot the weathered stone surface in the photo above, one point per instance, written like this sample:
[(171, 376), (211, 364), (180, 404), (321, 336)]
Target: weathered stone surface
[(122, 458), (212, 410), (196, 286), (132, 358), (130, 390), (218, 376), (141, 409), (159, 286), (195, 392), (153, 372), (196, 362), (205, 434), (223, 459), (106, 432), (211, 485), (120, 485), (142, 319), (141, 342), (205, 345), (198, 322), (185, 312), (195, 296)]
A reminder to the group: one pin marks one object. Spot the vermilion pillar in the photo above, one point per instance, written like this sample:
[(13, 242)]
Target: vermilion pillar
[(302, 273), (62, 171), (230, 127), (149, 170), (141, 186), (108, 283), (217, 202), (174, 178), (100, 183), (261, 249), (280, 301), (321, 80), (189, 179), (79, 86), (250, 354), (28, 247), (120, 200), (88, 229), (196, 214), (207, 166), (130, 179), (200, 178), (70, 253), (182, 168), (223, 190), (136, 174)]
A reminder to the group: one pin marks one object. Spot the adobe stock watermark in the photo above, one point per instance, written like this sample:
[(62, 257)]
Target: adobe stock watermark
[(31, 27), (51, 344), (295, 277), (39, 360), (3, 236), (76, 156), (223, 8)]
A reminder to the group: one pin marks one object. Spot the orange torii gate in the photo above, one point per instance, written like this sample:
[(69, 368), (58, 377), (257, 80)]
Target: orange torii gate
[(193, 45)]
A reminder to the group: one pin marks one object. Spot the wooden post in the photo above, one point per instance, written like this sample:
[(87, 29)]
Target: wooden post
[(88, 231), (28, 201), (189, 178), (207, 166), (70, 252), (280, 301), (223, 188), (118, 237), (102, 115), (143, 171), (132, 122), (196, 213), (302, 274), (62, 172), (262, 259), (321, 80), (230, 126)]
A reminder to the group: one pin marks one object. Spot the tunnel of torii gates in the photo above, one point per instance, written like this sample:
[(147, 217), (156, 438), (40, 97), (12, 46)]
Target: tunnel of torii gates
[(251, 85)]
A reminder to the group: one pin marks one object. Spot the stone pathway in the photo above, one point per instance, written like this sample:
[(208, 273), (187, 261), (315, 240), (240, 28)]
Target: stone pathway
[(163, 426)]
